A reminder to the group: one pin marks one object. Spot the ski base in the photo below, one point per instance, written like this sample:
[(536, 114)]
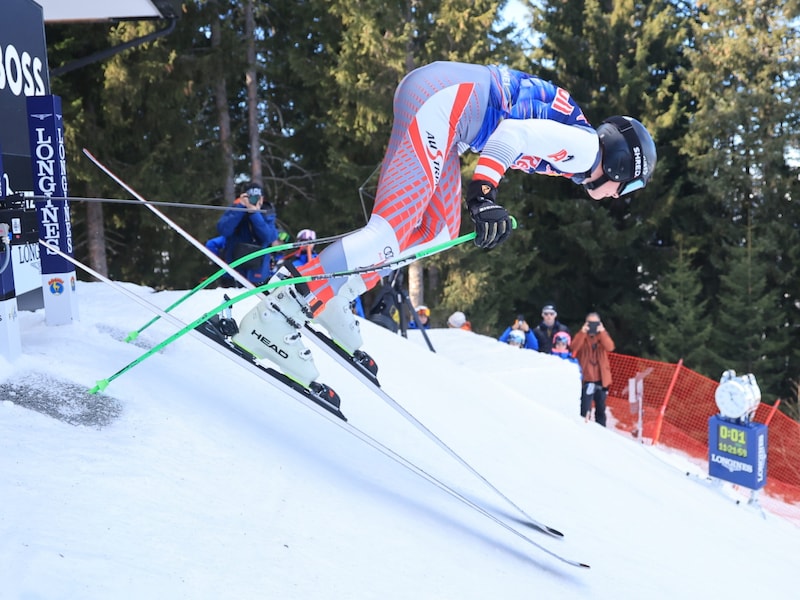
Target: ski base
[(318, 393)]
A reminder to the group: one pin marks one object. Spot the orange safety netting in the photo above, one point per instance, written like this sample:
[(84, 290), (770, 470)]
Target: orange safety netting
[(676, 406)]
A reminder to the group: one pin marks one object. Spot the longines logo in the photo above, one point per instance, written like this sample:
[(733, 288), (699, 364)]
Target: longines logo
[(46, 152)]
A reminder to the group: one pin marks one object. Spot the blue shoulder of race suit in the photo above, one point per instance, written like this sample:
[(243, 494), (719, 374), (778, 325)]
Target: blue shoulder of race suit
[(518, 95)]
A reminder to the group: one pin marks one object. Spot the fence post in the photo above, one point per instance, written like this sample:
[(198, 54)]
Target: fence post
[(660, 420), (772, 412)]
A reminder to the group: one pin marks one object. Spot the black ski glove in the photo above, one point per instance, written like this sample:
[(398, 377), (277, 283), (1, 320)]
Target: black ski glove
[(492, 221)]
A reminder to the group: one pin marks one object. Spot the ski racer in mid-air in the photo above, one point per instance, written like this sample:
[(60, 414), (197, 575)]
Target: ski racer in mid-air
[(513, 120)]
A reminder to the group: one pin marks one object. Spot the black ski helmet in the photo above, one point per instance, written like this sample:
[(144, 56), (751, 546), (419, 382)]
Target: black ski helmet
[(629, 154)]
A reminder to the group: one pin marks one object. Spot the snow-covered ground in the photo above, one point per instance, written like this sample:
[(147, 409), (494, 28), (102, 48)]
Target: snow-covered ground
[(190, 477)]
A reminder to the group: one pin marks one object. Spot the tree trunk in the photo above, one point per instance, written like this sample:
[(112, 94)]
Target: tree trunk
[(416, 283), (251, 81), (221, 103), (96, 236), (434, 276)]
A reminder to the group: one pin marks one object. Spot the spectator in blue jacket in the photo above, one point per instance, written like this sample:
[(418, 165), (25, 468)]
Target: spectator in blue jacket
[(422, 318), (519, 333), (248, 226)]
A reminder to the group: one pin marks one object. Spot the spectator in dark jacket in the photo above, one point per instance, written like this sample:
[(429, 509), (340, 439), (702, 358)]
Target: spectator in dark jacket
[(248, 226), (549, 326)]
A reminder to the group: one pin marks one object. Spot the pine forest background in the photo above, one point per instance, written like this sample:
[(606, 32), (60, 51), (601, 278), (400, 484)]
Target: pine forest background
[(702, 265)]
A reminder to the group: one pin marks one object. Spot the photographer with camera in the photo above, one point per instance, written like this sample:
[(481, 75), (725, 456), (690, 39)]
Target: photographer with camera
[(520, 333), (591, 346), (247, 226)]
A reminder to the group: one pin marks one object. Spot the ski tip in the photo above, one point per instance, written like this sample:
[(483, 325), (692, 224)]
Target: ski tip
[(131, 336)]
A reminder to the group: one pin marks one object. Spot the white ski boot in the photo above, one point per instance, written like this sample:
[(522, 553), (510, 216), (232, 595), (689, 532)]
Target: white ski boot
[(270, 332), (338, 319)]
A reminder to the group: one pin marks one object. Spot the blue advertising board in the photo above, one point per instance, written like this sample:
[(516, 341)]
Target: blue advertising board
[(49, 171), (737, 452), (49, 168)]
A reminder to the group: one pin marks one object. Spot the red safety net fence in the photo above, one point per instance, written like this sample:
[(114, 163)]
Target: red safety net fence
[(676, 404)]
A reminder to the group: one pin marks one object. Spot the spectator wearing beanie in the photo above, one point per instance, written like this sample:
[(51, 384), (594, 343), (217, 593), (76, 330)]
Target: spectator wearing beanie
[(549, 326), (458, 320)]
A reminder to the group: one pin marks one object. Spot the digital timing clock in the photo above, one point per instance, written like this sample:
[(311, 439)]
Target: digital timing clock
[(732, 440)]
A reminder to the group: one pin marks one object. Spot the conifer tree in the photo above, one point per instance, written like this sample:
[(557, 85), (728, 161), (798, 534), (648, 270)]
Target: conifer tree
[(750, 333), (679, 323), (744, 79)]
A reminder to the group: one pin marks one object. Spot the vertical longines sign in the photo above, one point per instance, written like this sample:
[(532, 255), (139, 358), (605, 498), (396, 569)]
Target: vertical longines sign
[(49, 170), (23, 73)]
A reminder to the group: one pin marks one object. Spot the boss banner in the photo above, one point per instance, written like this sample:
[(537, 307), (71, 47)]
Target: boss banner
[(23, 73)]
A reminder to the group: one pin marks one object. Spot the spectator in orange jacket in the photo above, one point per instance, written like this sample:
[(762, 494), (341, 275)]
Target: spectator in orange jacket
[(591, 346)]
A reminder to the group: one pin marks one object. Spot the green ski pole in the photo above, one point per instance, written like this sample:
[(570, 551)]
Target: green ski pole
[(103, 383), (394, 264)]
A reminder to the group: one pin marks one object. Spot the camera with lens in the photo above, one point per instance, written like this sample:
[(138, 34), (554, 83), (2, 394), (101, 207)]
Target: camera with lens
[(593, 325)]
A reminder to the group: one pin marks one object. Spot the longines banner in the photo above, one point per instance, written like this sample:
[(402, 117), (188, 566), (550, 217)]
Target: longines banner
[(49, 167), (23, 72)]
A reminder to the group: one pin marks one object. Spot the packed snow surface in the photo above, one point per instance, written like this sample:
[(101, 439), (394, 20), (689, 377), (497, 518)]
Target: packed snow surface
[(190, 477)]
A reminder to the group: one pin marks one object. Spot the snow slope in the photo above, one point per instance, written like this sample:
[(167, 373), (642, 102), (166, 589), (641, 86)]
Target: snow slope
[(190, 477)]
